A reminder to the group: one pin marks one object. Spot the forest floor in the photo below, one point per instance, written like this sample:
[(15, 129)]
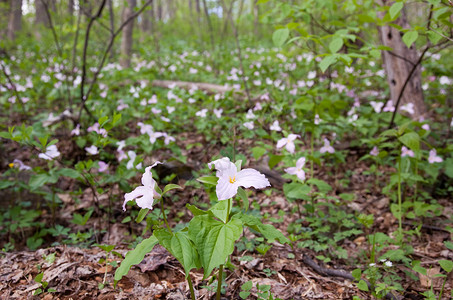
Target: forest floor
[(75, 272)]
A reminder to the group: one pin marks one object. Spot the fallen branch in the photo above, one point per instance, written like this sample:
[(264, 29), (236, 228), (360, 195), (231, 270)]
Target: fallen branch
[(339, 273), (208, 87)]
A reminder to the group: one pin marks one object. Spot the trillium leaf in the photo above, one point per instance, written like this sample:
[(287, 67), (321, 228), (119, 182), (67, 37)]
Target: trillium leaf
[(170, 187), (195, 210), (214, 239), (71, 173), (336, 44), (135, 256), (208, 179), (411, 140), (267, 230), (220, 210), (447, 265), (181, 247), (243, 195)]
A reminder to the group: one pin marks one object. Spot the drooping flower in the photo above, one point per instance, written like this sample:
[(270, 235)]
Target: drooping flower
[(288, 142), (103, 166), (297, 170), (144, 195), (406, 152), (327, 147), (230, 179), (51, 153), (20, 164), (433, 157), (130, 163), (76, 131), (374, 151)]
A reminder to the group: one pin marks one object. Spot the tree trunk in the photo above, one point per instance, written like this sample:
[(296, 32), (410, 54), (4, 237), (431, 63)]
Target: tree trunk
[(41, 15), (15, 19), (70, 8), (126, 42), (112, 24), (4, 18), (399, 64)]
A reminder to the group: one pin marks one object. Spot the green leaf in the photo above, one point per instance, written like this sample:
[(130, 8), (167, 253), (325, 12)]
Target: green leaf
[(411, 140), (208, 180), (280, 36), (244, 295), (195, 210), (418, 268), (170, 187), (449, 168), (245, 200), (447, 265), (356, 273), (274, 160), (410, 37), (247, 286), (135, 256), (362, 286), (327, 61), (322, 186), (267, 230), (141, 215), (257, 152), (335, 45), (434, 37), (181, 247), (38, 277), (214, 239), (296, 190), (71, 173), (39, 180), (395, 9), (220, 210)]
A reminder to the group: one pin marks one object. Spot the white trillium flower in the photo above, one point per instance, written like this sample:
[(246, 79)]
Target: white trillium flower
[(275, 126), (433, 157), (230, 179), (297, 170), (51, 153), (92, 150), (407, 152), (144, 195), (327, 147), (288, 142)]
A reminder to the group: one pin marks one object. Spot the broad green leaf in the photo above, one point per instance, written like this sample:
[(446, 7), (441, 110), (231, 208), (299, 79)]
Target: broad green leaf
[(220, 210), (243, 195), (449, 167), (322, 186), (356, 273), (434, 37), (335, 45), (181, 247), (208, 180), (38, 180), (268, 231), (409, 38), (274, 160), (280, 36), (395, 9), (362, 286), (447, 265), (247, 286), (257, 152), (327, 61), (135, 256), (214, 240), (195, 210), (141, 215), (411, 140), (418, 268), (296, 190), (71, 173), (170, 187)]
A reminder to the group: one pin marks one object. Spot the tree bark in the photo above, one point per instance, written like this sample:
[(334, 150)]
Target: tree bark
[(15, 19), (399, 64), (41, 14), (70, 8), (126, 42)]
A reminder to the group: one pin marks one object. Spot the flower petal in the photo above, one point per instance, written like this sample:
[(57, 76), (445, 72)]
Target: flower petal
[(300, 162), (251, 178), (282, 142), (290, 147), (137, 192), (225, 189), (147, 178), (291, 170), (146, 201)]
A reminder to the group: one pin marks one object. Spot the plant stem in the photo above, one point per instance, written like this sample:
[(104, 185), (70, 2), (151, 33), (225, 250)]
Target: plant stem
[(192, 292), (219, 282), (163, 213), (228, 210), (400, 212), (312, 140)]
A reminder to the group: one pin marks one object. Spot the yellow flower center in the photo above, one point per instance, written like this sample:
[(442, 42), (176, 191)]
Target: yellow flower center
[(11, 165), (232, 180)]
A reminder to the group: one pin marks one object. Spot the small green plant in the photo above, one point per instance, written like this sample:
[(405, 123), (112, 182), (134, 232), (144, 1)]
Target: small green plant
[(44, 285)]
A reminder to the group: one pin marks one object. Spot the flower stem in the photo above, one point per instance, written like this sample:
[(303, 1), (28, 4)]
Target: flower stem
[(192, 292), (400, 212), (163, 213), (228, 210), (219, 282)]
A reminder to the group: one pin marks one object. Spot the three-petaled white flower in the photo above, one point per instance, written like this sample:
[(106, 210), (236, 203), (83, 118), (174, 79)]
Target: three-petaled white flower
[(144, 195), (297, 170), (327, 147), (288, 142), (51, 153), (230, 179), (433, 157), (406, 152)]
